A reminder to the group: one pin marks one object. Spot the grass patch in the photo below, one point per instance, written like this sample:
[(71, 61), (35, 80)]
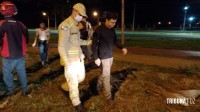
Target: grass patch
[(163, 43), (190, 70), (150, 42)]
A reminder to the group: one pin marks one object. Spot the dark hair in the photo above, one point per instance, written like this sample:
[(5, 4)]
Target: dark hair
[(83, 23), (111, 15)]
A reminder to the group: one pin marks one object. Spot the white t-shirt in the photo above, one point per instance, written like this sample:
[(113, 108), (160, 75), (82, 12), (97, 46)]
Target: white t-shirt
[(42, 33), (88, 26)]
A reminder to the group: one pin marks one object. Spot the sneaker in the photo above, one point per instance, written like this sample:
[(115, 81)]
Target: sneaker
[(45, 65), (80, 108), (9, 93)]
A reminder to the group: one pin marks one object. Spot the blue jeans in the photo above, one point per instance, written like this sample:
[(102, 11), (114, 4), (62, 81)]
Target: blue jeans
[(8, 65), (43, 47)]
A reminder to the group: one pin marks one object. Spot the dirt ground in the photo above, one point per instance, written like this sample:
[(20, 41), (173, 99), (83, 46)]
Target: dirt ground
[(146, 90)]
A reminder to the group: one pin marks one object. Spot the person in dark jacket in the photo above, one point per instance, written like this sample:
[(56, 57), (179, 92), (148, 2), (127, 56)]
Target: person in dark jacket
[(103, 40), (14, 38)]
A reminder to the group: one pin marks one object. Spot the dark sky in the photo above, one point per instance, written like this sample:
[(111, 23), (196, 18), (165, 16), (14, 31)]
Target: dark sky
[(148, 12)]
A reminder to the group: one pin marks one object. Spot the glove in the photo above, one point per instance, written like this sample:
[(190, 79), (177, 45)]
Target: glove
[(97, 62), (82, 57)]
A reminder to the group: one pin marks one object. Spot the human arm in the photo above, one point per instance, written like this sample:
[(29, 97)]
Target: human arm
[(85, 42), (36, 37), (63, 37), (119, 45), (95, 43), (26, 33), (48, 35), (1, 34)]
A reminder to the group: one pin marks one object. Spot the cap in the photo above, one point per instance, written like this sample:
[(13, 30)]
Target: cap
[(81, 8)]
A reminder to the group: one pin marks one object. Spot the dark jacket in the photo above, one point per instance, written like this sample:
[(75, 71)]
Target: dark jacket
[(14, 38), (103, 41)]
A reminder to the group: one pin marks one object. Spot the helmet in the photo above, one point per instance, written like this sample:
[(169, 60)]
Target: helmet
[(81, 8), (7, 8)]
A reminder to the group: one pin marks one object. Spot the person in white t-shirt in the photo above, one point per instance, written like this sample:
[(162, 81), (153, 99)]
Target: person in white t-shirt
[(42, 36)]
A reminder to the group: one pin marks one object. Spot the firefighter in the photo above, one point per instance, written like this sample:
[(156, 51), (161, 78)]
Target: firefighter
[(71, 56)]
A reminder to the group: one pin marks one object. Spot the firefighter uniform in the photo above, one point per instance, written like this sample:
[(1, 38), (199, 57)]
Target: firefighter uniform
[(69, 43)]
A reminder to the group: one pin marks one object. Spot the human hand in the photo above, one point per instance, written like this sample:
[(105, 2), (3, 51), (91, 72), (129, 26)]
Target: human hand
[(97, 62), (124, 51), (33, 45), (89, 42), (82, 57)]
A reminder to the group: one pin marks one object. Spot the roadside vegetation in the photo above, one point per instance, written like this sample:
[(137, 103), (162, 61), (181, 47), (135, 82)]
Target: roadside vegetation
[(164, 43), (151, 42)]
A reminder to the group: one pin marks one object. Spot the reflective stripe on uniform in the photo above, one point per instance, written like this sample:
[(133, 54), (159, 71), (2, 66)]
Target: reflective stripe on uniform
[(73, 52)]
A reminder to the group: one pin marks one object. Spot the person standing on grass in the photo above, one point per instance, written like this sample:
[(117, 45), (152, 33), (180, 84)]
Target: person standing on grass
[(14, 38), (71, 56), (87, 49), (102, 45), (43, 36)]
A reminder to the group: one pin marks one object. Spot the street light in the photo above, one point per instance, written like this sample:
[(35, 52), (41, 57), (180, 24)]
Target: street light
[(45, 14), (191, 19), (95, 14), (185, 15)]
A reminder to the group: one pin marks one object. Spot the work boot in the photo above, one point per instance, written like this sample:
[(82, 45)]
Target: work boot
[(65, 86), (80, 108)]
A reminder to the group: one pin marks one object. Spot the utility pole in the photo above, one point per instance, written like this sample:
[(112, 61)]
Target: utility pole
[(133, 27), (55, 22), (122, 33), (185, 16)]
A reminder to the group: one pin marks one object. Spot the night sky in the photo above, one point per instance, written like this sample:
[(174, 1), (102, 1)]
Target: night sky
[(148, 12)]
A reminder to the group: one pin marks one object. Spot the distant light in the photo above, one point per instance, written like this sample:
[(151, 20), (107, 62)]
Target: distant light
[(159, 22), (197, 23), (44, 13), (169, 23), (186, 7), (95, 13), (191, 18)]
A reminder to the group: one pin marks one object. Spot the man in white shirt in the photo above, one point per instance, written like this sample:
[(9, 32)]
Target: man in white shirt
[(43, 36)]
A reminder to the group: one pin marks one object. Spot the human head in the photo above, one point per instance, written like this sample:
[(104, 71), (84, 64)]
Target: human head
[(81, 25), (79, 12), (42, 25), (84, 19), (111, 19), (8, 9)]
